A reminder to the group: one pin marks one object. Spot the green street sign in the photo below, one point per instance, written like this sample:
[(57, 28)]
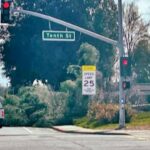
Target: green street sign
[(58, 35)]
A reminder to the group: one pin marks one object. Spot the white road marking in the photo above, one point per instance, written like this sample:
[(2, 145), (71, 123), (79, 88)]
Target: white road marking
[(29, 131)]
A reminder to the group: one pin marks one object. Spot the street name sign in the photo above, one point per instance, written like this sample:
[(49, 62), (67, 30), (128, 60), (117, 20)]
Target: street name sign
[(58, 35), (88, 80)]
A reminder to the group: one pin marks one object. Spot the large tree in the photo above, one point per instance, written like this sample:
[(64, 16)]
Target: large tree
[(105, 22), (141, 63), (26, 57), (135, 29), (136, 37)]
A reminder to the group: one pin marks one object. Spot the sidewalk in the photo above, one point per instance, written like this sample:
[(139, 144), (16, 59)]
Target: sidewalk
[(138, 134), (80, 130)]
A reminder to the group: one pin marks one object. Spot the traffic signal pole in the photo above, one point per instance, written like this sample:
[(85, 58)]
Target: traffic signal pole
[(0, 11), (69, 25), (118, 44), (121, 54)]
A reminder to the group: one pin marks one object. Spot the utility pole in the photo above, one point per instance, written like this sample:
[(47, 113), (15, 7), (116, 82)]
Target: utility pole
[(121, 54)]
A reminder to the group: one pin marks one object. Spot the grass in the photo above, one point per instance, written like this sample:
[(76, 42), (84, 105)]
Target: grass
[(139, 121)]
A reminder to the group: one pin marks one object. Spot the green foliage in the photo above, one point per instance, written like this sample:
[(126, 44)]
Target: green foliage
[(74, 71), (3, 91), (68, 86), (140, 116), (82, 122), (107, 113), (33, 108), (54, 57), (148, 99), (50, 56), (141, 62), (141, 119), (57, 107), (14, 115), (30, 107), (88, 55), (103, 121), (106, 23), (76, 104), (11, 100)]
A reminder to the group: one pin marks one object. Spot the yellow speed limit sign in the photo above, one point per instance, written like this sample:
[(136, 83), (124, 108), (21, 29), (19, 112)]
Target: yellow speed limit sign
[(88, 80)]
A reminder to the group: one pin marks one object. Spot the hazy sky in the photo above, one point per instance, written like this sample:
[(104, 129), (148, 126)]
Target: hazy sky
[(3, 80), (144, 9)]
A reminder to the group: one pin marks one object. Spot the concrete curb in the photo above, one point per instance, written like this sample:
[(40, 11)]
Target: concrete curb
[(107, 132)]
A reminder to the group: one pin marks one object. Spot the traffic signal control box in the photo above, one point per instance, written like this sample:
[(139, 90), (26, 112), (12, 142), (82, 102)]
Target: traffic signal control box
[(125, 66)]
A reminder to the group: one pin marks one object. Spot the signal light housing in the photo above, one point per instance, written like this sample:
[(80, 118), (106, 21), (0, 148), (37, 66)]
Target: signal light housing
[(5, 11), (126, 85), (125, 66)]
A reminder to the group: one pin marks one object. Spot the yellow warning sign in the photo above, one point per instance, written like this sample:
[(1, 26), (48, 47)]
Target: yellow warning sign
[(88, 68)]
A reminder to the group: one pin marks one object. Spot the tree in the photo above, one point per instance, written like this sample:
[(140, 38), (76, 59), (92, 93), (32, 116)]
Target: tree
[(34, 108), (141, 63), (105, 22), (76, 103), (33, 54), (42, 105), (88, 55), (135, 29), (27, 44), (14, 115), (135, 33)]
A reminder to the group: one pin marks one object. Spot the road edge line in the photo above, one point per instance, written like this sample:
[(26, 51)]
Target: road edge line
[(28, 130)]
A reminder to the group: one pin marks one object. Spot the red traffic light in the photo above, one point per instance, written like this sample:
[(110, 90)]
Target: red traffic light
[(125, 66), (124, 61), (6, 5)]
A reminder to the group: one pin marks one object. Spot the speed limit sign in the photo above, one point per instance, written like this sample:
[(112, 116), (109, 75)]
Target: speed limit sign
[(88, 80)]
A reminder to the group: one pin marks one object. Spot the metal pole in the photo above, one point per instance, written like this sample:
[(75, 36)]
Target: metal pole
[(121, 53), (69, 25), (0, 10), (97, 36)]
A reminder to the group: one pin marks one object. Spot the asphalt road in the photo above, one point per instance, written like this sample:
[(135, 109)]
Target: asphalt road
[(23, 138)]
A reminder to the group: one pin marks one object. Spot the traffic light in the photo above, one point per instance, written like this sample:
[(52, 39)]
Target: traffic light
[(125, 66), (125, 85), (5, 11)]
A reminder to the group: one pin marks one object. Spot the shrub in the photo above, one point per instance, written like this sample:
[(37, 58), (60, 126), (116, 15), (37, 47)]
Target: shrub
[(107, 113), (14, 115)]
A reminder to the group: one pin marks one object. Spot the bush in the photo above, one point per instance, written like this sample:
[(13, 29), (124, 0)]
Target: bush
[(107, 113), (14, 115)]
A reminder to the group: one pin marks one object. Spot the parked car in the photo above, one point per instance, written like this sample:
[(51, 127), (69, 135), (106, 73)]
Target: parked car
[(2, 115)]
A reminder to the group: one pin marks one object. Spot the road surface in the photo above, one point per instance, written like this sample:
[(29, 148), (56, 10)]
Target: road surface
[(23, 138)]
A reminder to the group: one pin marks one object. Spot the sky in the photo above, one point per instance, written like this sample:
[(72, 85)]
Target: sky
[(3, 80), (144, 9)]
